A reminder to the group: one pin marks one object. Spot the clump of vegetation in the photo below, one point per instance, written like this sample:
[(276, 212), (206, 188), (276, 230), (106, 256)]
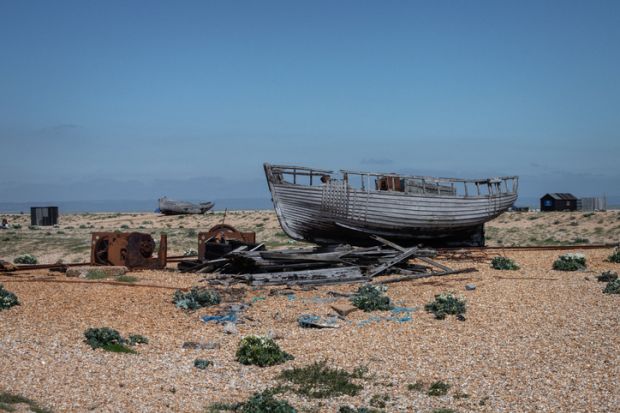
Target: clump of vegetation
[(608, 276), (260, 351), (320, 381), (124, 226), (442, 410), (26, 259), (8, 399), (447, 303), (615, 256), (109, 339), (371, 298), (503, 263), (347, 409), (570, 262), (379, 400), (126, 279), (202, 363), (438, 388), (7, 299), (195, 298), (263, 402), (96, 275), (613, 287), (134, 339), (417, 386)]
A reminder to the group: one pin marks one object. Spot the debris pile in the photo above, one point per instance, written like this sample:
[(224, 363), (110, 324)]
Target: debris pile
[(250, 263)]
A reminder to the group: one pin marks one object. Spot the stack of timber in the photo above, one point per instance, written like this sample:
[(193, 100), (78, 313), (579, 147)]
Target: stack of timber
[(320, 265)]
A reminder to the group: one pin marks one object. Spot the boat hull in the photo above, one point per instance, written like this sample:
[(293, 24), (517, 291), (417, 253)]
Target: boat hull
[(336, 213), (172, 207)]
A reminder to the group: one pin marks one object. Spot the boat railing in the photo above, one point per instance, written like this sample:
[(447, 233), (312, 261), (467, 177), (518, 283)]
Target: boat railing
[(412, 183), (296, 171), (441, 186)]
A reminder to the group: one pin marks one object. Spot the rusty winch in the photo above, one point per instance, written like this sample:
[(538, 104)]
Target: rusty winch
[(133, 250)]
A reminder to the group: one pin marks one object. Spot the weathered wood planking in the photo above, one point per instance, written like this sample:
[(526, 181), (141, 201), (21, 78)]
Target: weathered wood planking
[(331, 211)]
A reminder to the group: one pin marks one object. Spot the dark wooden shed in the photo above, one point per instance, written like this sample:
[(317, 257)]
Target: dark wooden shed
[(44, 216), (558, 202)]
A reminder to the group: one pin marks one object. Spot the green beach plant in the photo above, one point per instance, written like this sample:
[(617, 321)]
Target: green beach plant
[(371, 298), (570, 262), (446, 303), (503, 263), (260, 351)]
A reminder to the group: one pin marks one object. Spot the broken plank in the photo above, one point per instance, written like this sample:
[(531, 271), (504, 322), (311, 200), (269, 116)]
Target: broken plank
[(399, 258), (309, 274), (432, 274)]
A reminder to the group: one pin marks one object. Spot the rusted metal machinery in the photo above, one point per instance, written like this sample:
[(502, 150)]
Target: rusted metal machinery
[(221, 239), (134, 250), (228, 232)]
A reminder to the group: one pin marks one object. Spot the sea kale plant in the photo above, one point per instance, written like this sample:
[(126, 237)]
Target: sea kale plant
[(7, 299), (503, 263), (371, 298), (195, 298), (615, 256), (111, 340), (263, 402), (26, 259), (570, 262), (613, 287), (320, 381), (446, 303), (260, 351)]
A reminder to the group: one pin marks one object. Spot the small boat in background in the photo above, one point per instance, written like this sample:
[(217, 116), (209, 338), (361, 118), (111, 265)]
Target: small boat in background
[(169, 206), (326, 208)]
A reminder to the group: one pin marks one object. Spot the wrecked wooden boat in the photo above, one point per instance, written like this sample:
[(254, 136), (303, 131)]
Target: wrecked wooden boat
[(169, 206), (326, 208)]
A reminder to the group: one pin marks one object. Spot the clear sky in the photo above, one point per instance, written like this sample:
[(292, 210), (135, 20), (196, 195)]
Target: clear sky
[(126, 99)]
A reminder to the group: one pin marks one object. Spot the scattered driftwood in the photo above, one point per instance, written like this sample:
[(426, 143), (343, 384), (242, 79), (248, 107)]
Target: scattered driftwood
[(252, 265)]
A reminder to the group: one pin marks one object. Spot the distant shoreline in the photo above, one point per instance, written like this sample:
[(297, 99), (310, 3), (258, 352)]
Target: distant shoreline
[(128, 206)]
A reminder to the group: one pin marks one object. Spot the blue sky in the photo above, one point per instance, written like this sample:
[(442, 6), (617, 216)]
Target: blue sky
[(117, 99)]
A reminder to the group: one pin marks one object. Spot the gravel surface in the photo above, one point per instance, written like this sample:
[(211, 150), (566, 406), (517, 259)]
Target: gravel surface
[(533, 340)]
